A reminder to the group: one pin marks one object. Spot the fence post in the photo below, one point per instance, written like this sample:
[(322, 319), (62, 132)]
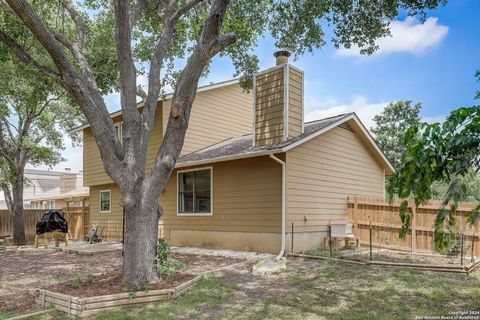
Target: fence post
[(330, 240), (371, 241), (292, 236), (473, 246), (83, 220), (461, 252)]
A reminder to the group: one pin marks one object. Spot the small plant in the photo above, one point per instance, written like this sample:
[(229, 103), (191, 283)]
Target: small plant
[(76, 281), (89, 280), (131, 295), (169, 269), (163, 251), (166, 267)]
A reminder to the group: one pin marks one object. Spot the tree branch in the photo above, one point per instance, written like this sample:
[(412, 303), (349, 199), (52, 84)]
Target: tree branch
[(25, 57), (183, 96), (137, 10)]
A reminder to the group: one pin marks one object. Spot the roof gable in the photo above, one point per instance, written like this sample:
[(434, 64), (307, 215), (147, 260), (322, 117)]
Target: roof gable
[(241, 147)]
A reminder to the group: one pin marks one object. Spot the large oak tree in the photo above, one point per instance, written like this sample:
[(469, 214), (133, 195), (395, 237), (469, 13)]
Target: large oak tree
[(155, 36)]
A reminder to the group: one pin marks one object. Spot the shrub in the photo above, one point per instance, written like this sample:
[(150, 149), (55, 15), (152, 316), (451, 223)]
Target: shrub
[(76, 281), (163, 251), (166, 268)]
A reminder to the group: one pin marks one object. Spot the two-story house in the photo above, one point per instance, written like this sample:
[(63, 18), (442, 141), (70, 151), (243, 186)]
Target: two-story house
[(249, 166)]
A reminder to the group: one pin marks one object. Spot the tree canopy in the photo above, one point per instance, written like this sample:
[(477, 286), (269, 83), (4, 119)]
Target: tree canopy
[(33, 113), (392, 124), (100, 45)]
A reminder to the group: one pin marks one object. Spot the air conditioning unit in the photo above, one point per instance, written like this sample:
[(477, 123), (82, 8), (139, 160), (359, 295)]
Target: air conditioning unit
[(341, 229)]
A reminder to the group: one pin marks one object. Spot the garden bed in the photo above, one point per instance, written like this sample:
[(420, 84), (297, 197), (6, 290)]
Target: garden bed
[(87, 299)]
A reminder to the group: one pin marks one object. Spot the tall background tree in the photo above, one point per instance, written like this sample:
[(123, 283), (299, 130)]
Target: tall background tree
[(148, 36), (391, 125), (33, 112)]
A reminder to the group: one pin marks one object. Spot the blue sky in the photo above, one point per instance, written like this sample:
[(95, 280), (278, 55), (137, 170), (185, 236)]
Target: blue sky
[(431, 63)]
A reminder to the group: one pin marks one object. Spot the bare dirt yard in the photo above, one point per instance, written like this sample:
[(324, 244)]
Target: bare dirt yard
[(23, 271), (313, 289)]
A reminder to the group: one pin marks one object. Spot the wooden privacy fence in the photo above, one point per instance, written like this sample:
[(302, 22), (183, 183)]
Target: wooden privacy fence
[(30, 218), (78, 222), (77, 219), (384, 220)]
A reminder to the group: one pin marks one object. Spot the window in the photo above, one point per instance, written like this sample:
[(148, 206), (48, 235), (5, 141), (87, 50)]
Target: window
[(118, 129), (105, 201), (195, 192)]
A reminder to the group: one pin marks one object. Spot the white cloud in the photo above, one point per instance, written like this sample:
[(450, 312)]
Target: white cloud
[(408, 36), (359, 104)]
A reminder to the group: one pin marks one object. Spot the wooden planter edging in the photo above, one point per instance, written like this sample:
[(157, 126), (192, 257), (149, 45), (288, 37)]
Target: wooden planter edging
[(84, 307), (439, 268)]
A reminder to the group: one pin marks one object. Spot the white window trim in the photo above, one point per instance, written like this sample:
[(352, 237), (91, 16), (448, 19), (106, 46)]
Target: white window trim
[(120, 130), (200, 214), (100, 201)]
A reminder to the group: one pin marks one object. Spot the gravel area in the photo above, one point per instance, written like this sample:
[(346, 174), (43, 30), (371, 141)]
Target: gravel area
[(222, 253)]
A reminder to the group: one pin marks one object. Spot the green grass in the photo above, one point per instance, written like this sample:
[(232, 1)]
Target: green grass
[(312, 289)]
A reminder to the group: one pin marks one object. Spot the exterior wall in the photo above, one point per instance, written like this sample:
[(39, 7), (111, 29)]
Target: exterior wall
[(93, 171), (246, 209), (217, 114), (295, 102), (321, 173), (110, 225), (269, 107)]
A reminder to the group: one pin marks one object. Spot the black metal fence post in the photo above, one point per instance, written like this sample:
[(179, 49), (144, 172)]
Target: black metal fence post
[(330, 240), (292, 236), (371, 255)]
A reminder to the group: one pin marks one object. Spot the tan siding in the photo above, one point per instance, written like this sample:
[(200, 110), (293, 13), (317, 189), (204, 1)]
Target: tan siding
[(246, 198), (109, 224), (217, 115), (295, 96), (269, 107), (93, 171), (322, 172)]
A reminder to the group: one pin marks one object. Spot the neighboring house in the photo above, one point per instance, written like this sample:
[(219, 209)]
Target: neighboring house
[(69, 192), (226, 189), (36, 182)]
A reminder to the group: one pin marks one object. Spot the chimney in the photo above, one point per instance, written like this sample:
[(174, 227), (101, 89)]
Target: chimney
[(278, 102), (68, 181)]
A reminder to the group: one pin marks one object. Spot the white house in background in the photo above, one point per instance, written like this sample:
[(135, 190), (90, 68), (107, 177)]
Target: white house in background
[(36, 182), (69, 191)]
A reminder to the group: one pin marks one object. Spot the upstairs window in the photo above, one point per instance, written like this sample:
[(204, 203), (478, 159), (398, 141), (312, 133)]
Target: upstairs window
[(195, 192), (105, 201), (118, 129)]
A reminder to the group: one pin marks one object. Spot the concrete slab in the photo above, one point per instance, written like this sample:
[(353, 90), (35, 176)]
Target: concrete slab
[(84, 248)]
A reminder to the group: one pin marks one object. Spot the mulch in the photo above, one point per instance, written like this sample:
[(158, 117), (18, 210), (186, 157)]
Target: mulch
[(112, 283)]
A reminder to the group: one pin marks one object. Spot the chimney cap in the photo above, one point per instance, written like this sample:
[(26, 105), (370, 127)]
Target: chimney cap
[(282, 53)]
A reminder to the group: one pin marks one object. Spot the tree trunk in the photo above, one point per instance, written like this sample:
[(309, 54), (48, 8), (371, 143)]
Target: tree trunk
[(140, 242), (16, 211)]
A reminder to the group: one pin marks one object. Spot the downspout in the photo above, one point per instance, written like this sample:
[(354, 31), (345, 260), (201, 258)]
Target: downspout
[(282, 249)]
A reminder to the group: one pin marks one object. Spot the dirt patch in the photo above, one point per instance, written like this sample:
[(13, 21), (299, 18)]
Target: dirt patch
[(21, 272), (112, 283)]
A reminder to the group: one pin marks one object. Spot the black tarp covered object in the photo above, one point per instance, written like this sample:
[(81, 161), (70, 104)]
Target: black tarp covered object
[(51, 221)]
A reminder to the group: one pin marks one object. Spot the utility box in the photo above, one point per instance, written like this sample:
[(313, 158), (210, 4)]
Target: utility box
[(341, 229)]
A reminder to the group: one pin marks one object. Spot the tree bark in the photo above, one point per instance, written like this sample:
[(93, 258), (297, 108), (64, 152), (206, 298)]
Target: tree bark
[(17, 213), (141, 235)]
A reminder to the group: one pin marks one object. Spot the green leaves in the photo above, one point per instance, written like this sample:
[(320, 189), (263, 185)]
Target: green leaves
[(405, 218), (445, 153), (395, 127)]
